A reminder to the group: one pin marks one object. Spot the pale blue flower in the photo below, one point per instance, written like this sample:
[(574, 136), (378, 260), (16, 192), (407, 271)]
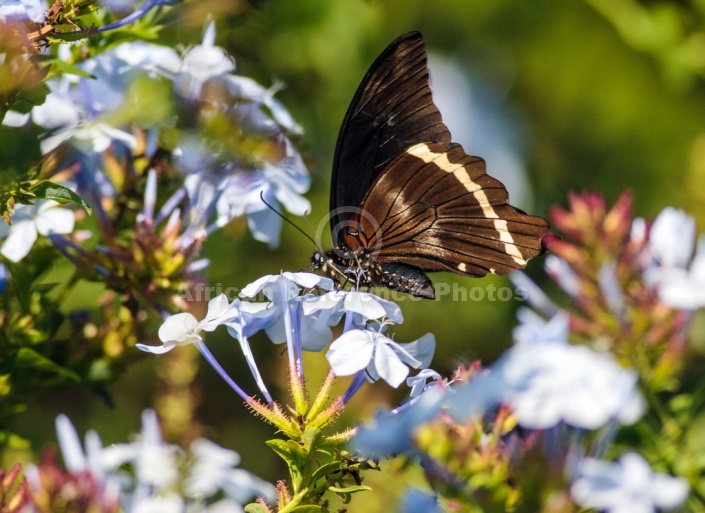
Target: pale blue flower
[(563, 273), (214, 469), (550, 383), (672, 238), (685, 288), (420, 382), (22, 10), (283, 290), (331, 306), (270, 285), (283, 183), (45, 218), (534, 329), (416, 501), (183, 328), (379, 355), (627, 486)]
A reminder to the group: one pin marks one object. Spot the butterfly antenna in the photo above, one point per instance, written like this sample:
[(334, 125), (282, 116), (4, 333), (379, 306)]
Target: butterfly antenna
[(318, 247), (317, 242)]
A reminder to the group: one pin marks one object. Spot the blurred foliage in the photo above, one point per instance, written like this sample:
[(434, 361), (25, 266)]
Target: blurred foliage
[(607, 94)]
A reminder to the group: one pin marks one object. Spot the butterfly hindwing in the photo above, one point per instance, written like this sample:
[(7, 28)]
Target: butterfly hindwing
[(436, 209)]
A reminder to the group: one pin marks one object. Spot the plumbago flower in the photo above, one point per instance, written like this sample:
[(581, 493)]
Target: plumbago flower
[(378, 355), (301, 306), (167, 147), (183, 328), (674, 265), (45, 218), (629, 485), (222, 179), (100, 478)]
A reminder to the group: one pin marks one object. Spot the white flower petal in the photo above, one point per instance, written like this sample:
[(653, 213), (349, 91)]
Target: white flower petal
[(58, 111), (180, 328), (51, 218), (364, 304), (220, 311), (351, 352), (625, 486), (421, 351), (265, 226), (22, 236), (164, 348), (549, 383), (15, 119), (672, 237), (388, 365), (70, 445)]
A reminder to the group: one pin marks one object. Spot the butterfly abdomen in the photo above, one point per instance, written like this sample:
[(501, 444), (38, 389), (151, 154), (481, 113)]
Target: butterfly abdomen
[(361, 269), (403, 278)]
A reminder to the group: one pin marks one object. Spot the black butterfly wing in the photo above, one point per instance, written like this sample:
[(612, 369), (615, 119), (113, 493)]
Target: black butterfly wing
[(391, 111), (437, 209)]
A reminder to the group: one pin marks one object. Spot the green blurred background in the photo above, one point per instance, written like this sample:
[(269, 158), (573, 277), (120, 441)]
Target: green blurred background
[(557, 96)]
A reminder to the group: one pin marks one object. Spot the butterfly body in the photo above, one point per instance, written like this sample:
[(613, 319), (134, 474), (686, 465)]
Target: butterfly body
[(363, 270), (405, 199)]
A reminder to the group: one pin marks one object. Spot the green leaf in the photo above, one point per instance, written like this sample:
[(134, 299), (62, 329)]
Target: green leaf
[(310, 437), (29, 98), (349, 489), (50, 190), (58, 66), (327, 469), (30, 359), (309, 508), (9, 440), (256, 507), (294, 457)]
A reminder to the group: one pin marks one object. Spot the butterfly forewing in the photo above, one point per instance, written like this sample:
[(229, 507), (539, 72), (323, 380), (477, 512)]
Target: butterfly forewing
[(392, 110)]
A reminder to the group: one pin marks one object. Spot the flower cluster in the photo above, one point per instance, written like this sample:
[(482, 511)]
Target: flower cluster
[(303, 320), (145, 475), (164, 148), (114, 129), (300, 311)]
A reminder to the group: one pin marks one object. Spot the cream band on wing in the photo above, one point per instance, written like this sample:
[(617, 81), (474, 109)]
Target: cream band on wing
[(423, 152)]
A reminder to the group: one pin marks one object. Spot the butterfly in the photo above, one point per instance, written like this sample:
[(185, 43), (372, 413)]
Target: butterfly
[(405, 199)]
